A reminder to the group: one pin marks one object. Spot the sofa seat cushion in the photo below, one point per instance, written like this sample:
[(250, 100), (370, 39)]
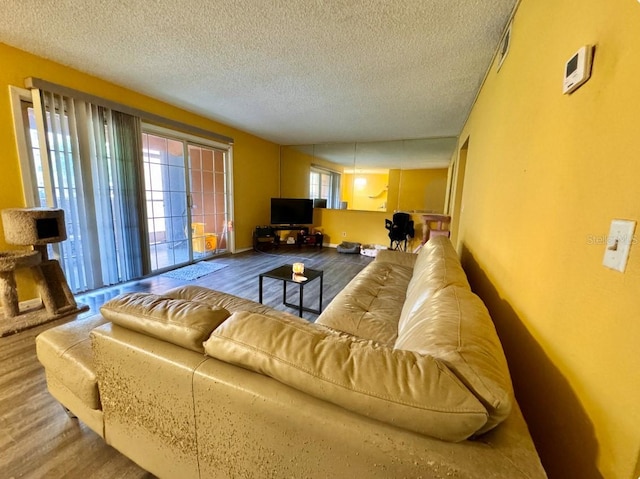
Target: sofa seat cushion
[(370, 305), (419, 393), (65, 352), (454, 326), (177, 321), (397, 257)]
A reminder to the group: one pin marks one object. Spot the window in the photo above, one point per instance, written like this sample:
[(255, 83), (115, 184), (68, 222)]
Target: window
[(325, 184), (84, 159), (131, 198)]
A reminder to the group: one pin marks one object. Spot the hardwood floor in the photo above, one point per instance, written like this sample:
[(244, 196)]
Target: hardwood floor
[(38, 440)]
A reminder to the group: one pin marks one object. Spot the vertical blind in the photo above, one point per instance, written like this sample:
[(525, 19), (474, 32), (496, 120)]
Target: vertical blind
[(92, 168)]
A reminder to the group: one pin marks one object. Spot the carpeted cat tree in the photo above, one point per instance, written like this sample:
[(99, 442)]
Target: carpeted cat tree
[(36, 227)]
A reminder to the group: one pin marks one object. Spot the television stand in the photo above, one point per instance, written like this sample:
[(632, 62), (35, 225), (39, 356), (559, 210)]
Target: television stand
[(268, 237), (298, 228)]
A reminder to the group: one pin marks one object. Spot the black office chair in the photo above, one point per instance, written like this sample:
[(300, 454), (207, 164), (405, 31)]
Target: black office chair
[(400, 229)]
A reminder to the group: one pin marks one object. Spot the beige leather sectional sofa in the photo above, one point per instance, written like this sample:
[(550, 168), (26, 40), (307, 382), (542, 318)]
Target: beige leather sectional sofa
[(402, 375)]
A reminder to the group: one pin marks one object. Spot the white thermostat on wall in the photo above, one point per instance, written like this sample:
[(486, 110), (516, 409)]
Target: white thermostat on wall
[(578, 69)]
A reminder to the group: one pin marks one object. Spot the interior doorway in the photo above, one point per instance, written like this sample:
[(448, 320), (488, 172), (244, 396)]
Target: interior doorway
[(456, 189)]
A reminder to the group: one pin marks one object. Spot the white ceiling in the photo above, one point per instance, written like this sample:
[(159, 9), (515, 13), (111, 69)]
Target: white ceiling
[(290, 71)]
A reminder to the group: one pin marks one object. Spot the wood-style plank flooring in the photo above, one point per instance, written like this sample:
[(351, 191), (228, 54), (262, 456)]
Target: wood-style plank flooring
[(38, 440)]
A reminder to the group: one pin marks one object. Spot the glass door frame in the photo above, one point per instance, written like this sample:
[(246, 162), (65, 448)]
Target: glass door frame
[(189, 139)]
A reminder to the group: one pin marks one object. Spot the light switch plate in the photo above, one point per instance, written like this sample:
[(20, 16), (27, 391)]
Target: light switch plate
[(618, 244)]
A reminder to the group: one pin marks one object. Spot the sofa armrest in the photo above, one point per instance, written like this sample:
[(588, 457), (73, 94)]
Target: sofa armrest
[(403, 388), (397, 257)]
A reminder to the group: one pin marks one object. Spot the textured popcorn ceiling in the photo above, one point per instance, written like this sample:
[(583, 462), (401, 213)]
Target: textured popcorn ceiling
[(294, 72)]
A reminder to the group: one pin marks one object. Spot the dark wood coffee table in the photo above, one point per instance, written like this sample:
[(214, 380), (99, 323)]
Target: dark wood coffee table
[(285, 274)]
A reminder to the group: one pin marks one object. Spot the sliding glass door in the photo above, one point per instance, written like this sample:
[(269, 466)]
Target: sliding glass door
[(85, 160), (186, 199), (209, 216), (166, 200), (137, 199)]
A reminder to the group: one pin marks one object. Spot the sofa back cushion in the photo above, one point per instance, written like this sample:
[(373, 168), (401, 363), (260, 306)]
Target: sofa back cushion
[(370, 306), (176, 321), (436, 267), (403, 388), (453, 326)]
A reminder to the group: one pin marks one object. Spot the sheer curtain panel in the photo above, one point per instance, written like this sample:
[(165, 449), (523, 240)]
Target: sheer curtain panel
[(91, 168)]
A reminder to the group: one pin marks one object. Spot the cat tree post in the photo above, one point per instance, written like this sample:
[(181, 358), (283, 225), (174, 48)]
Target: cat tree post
[(9, 262)]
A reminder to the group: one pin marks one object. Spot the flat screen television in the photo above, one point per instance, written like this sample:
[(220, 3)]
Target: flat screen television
[(291, 211)]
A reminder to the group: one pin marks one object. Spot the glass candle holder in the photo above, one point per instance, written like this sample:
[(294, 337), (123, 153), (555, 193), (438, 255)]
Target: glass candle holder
[(298, 268)]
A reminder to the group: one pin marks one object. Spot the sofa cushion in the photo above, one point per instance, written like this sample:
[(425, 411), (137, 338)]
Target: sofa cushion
[(370, 305), (65, 352), (401, 258), (436, 267), (176, 321), (418, 392), (454, 326), (231, 303), (438, 257)]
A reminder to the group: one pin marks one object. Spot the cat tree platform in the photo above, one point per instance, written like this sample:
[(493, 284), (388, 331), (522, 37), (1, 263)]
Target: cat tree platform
[(36, 227)]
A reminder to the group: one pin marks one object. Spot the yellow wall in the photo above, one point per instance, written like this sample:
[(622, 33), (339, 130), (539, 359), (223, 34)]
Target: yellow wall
[(423, 190), (253, 186), (365, 227), (393, 195), (545, 175), (410, 189), (295, 167), (359, 226), (371, 195)]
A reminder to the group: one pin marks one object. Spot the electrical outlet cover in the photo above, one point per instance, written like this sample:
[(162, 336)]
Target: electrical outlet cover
[(618, 244)]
